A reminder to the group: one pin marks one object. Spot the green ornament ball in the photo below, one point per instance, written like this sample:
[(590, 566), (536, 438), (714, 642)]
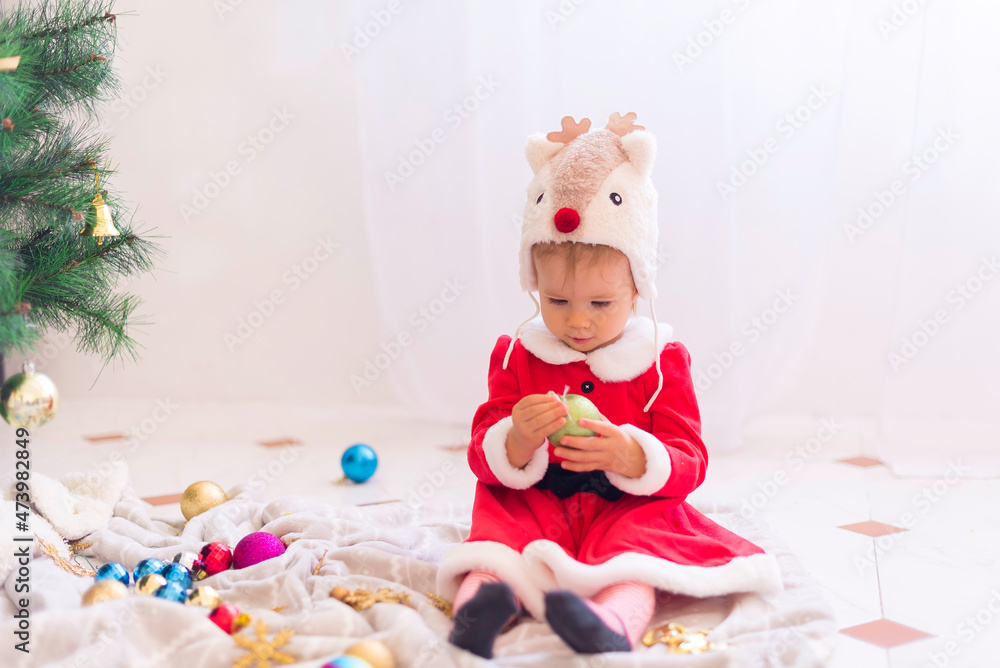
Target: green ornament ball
[(579, 407)]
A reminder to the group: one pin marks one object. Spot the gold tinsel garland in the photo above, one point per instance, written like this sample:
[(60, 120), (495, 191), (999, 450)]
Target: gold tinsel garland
[(62, 562), (679, 640), (362, 599)]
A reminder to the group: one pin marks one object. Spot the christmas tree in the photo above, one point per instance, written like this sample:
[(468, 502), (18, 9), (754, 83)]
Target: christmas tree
[(65, 238)]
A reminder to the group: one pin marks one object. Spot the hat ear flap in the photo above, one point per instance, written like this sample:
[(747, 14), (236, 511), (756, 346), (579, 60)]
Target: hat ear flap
[(640, 147), (539, 150)]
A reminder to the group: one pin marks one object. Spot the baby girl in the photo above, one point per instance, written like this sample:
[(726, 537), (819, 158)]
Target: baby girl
[(583, 534)]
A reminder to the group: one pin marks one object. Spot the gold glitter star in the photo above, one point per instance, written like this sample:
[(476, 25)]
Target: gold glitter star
[(261, 651)]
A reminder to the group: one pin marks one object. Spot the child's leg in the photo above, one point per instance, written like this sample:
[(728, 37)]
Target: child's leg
[(625, 606), (482, 607), (612, 622)]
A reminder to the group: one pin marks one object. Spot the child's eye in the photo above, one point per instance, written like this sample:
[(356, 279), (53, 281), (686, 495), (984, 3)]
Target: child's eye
[(557, 302), (539, 200), (616, 199), (601, 304)]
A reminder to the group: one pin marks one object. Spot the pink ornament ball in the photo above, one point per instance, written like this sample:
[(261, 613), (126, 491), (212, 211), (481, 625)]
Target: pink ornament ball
[(255, 548)]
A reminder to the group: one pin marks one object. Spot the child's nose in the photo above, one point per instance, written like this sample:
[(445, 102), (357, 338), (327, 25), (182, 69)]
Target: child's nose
[(578, 319)]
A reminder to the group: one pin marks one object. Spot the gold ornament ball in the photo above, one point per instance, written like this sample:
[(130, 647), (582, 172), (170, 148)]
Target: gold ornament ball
[(149, 583), (201, 496), (374, 652), (28, 399), (205, 597), (104, 590)]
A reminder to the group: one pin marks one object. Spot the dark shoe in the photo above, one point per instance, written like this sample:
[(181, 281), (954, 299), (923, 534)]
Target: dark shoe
[(579, 627), (480, 621)]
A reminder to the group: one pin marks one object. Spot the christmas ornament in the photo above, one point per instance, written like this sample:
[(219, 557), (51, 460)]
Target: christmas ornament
[(681, 641), (201, 496), (255, 548), (192, 562), (172, 591), (375, 653), (216, 557), (578, 407), (146, 567), (362, 599), (263, 651), (228, 618), (204, 596), (347, 661), (176, 573), (99, 223), (28, 399), (148, 584), (104, 590), (112, 571), (359, 462)]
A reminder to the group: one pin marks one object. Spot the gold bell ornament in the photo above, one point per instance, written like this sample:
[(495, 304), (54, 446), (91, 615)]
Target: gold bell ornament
[(28, 399), (98, 223)]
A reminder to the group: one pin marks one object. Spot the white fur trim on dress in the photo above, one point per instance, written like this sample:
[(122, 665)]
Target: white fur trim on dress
[(625, 359), (502, 561), (495, 449), (755, 573), (657, 465)]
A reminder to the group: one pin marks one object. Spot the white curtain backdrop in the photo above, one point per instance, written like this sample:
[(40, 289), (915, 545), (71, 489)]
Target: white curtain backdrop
[(810, 112)]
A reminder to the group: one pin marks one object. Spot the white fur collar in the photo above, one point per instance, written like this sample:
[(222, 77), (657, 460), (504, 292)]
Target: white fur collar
[(625, 359)]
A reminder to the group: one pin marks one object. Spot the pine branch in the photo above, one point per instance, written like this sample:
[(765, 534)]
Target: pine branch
[(108, 16), (77, 215)]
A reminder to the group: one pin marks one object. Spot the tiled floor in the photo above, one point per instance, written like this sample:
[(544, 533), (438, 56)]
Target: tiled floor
[(910, 565)]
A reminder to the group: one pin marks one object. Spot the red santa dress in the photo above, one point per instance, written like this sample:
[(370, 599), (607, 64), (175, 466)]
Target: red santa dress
[(532, 530)]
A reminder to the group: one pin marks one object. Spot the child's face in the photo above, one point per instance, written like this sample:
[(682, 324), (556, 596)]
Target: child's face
[(589, 309)]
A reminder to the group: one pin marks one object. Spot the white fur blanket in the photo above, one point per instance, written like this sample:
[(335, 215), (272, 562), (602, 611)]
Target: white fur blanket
[(390, 545)]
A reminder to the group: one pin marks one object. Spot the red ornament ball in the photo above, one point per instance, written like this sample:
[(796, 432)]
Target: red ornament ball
[(216, 557), (255, 548), (224, 616)]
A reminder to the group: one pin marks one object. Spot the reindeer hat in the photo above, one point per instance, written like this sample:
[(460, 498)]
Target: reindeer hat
[(594, 188)]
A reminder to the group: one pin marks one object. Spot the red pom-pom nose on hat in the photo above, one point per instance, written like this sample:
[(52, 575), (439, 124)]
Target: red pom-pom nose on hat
[(567, 219)]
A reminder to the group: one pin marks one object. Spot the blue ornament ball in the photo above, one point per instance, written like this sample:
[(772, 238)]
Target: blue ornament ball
[(172, 591), (147, 567), (359, 462), (347, 661), (112, 571), (174, 572)]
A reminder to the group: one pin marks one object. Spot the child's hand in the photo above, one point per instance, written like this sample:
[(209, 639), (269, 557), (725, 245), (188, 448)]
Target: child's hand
[(610, 450), (535, 417)]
